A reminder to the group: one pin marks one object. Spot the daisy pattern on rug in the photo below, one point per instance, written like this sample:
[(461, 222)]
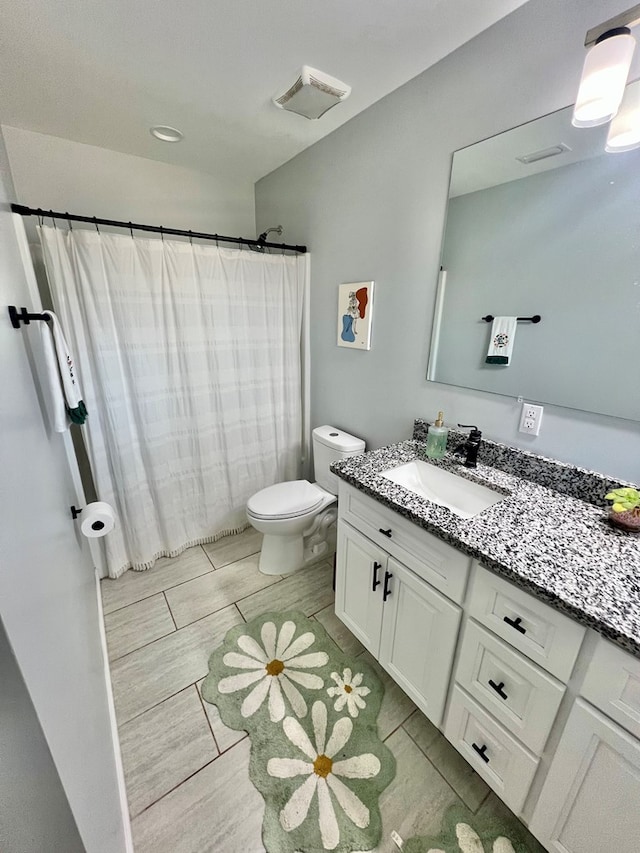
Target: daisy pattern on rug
[(349, 691), (273, 668), (322, 774)]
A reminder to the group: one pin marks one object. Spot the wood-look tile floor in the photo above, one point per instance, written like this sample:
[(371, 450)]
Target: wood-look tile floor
[(187, 773)]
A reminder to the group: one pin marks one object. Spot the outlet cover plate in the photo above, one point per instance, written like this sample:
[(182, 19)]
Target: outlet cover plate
[(531, 419)]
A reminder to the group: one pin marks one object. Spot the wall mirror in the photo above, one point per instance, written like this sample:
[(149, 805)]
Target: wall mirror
[(542, 221)]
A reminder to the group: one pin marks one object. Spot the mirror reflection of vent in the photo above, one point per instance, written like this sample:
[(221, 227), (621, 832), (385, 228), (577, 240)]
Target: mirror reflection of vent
[(553, 151), (313, 93)]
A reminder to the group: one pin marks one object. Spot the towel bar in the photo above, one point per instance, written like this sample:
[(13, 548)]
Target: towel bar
[(535, 319)]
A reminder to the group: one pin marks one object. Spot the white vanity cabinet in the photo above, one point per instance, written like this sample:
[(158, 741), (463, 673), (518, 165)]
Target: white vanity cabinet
[(590, 802), (406, 622), (549, 720)]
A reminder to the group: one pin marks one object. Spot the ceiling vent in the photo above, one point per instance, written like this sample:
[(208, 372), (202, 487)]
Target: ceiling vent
[(312, 94), (534, 156)]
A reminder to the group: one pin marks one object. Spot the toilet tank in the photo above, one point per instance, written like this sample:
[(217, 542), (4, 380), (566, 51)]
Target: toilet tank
[(329, 445)]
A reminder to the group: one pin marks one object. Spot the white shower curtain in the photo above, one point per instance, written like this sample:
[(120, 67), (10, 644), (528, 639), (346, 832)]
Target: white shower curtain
[(190, 360)]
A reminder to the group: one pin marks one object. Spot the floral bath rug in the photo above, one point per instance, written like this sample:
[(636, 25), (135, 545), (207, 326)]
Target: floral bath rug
[(311, 713), (487, 831)]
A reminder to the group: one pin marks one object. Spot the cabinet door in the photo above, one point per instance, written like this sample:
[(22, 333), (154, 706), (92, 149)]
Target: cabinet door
[(419, 633), (360, 570), (589, 801)]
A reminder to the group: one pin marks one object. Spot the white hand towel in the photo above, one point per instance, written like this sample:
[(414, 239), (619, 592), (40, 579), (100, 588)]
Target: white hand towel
[(503, 333), (68, 405)]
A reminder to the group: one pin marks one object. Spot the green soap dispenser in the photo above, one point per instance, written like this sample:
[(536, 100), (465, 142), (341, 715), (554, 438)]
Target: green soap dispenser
[(437, 438)]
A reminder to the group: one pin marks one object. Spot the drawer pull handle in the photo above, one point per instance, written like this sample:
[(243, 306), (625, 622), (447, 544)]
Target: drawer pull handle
[(516, 623), (481, 750), (386, 533), (387, 591), (499, 688), (376, 581)]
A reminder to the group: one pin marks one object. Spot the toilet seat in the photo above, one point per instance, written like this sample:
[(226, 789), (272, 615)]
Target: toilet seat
[(286, 500)]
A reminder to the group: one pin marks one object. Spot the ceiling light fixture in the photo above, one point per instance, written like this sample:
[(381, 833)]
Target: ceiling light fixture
[(165, 133), (624, 131), (604, 76)]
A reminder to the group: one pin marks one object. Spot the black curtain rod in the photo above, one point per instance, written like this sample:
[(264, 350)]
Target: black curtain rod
[(155, 229)]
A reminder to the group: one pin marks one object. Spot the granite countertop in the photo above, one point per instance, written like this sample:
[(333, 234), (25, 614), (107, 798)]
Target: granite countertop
[(555, 546)]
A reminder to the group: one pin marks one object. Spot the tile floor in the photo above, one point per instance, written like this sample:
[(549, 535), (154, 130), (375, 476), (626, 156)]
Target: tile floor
[(186, 772)]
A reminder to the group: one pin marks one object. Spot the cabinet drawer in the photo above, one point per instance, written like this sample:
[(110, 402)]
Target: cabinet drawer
[(519, 694), (612, 684), (430, 558), (543, 634), (496, 755)]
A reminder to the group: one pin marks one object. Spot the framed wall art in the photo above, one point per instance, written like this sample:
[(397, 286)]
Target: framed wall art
[(355, 305)]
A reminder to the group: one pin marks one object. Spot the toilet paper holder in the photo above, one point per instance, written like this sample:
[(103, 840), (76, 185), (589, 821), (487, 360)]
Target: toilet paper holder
[(75, 512)]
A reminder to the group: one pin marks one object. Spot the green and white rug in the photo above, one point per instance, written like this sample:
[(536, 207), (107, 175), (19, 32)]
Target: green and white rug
[(311, 713), (485, 832)]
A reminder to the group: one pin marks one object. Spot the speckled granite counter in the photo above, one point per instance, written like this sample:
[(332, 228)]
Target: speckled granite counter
[(558, 547)]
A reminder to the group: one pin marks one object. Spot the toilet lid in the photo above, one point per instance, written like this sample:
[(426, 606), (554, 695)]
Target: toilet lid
[(285, 500)]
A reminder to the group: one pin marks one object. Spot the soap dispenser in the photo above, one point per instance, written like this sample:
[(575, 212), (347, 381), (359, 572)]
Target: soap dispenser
[(437, 438)]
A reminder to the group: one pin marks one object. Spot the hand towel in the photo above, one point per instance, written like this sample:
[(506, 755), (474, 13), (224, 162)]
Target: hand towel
[(68, 405), (503, 333)]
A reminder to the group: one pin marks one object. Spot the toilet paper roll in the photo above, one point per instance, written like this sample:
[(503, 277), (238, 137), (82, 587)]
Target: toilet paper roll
[(98, 519)]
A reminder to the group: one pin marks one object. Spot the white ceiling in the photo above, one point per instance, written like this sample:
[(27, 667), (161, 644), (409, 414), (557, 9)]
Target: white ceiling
[(103, 71)]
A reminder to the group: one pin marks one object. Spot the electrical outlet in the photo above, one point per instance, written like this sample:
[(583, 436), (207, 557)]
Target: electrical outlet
[(531, 419)]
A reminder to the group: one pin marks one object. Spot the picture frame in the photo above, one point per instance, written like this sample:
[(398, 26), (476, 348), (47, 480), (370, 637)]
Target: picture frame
[(355, 310)]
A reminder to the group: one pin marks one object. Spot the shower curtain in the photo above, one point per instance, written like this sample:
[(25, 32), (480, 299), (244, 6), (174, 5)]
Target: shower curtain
[(191, 360)]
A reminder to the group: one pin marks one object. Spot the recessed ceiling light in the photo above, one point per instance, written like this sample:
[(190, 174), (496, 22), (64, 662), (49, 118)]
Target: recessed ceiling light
[(166, 134)]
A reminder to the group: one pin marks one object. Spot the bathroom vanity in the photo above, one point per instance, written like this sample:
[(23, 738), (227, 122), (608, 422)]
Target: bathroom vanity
[(515, 631)]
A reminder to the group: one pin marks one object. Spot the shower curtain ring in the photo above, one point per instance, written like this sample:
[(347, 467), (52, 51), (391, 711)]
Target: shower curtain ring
[(66, 213), (190, 237), (131, 229), (162, 233), (95, 222)]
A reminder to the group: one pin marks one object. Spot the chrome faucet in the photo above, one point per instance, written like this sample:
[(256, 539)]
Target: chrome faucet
[(470, 447)]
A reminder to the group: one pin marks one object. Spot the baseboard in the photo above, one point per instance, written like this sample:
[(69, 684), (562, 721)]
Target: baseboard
[(122, 791)]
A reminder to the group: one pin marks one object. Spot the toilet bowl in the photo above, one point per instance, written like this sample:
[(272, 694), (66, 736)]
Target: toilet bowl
[(295, 517), (286, 514)]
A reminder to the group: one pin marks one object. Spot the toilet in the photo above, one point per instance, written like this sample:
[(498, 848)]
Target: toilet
[(295, 516)]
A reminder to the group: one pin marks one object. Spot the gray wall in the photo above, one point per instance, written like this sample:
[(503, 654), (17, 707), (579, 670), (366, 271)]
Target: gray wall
[(370, 202), (563, 244), (34, 812)]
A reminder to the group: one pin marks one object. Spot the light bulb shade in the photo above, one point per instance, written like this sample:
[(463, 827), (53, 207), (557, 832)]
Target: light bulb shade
[(624, 132), (604, 75)]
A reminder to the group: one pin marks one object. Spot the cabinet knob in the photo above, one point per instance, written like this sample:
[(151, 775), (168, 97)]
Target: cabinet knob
[(499, 688), (482, 751), (516, 623), (386, 533), (376, 581), (386, 592)]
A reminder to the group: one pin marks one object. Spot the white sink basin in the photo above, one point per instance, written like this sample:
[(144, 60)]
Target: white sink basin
[(461, 496)]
